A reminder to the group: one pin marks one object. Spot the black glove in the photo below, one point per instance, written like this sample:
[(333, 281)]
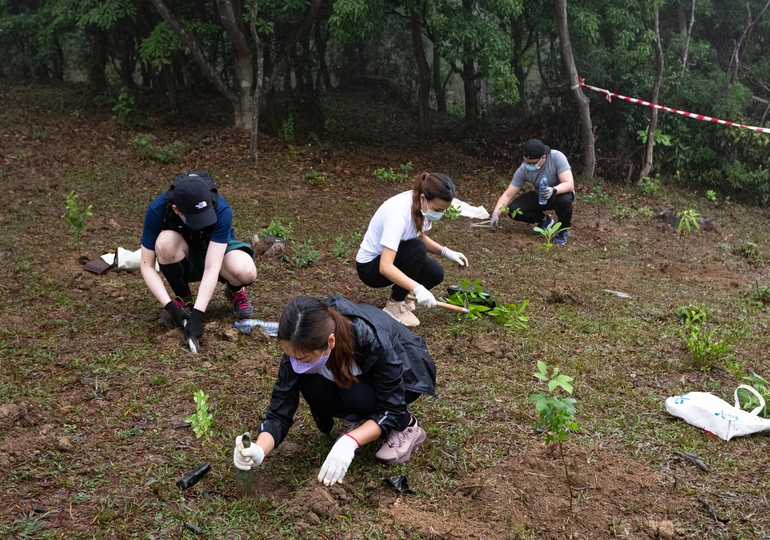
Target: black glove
[(194, 327), (178, 314)]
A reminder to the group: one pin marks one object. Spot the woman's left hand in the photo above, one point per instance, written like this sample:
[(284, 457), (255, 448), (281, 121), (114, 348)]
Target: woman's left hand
[(454, 256), (338, 460)]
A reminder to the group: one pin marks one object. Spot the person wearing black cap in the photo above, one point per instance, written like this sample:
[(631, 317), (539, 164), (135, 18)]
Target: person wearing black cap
[(188, 230), (540, 160)]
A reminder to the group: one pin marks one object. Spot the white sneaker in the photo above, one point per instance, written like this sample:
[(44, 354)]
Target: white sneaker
[(400, 312)]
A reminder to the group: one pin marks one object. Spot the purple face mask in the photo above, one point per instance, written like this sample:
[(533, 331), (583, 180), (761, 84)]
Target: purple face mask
[(308, 367)]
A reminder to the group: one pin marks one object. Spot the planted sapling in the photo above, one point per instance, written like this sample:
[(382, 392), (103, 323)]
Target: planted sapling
[(549, 233), (511, 315), (201, 420), (688, 219), (76, 219), (556, 414)]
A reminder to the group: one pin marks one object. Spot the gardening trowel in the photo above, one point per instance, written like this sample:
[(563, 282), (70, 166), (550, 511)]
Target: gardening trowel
[(244, 479), (192, 342), (445, 305)]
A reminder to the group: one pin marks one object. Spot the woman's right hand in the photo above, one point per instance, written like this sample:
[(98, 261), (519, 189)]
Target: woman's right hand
[(424, 297), (246, 458)]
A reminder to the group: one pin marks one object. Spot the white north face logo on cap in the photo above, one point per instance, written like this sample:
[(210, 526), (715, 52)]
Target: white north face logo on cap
[(201, 204)]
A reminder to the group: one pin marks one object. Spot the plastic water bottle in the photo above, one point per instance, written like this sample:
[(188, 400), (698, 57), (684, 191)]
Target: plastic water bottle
[(245, 326), (543, 187)]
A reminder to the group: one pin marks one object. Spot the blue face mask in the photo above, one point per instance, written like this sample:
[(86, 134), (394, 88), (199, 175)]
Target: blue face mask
[(531, 166), (431, 215), (308, 367)]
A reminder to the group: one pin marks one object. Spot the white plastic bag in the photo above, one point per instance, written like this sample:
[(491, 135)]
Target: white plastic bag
[(716, 416), (466, 210)]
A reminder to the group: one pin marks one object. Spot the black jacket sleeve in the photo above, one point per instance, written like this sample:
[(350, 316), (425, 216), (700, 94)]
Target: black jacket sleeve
[(283, 402)]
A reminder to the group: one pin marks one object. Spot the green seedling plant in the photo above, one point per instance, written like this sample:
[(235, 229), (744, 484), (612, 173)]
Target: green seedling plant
[(145, 146), (286, 133), (511, 315), (711, 195), (342, 246), (689, 315), (556, 414), (452, 213), (390, 176), (304, 254), (749, 401), (76, 220), (513, 213), (688, 219), (276, 228), (549, 233), (201, 420)]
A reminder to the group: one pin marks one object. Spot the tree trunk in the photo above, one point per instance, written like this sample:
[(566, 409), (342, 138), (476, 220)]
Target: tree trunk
[(323, 68), (438, 88), (471, 91), (735, 58), (655, 94), (168, 79), (423, 75), (257, 87), (589, 157), (230, 17), (97, 60), (687, 40)]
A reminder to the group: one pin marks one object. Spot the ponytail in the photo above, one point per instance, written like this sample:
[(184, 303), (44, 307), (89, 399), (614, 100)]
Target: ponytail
[(432, 185)]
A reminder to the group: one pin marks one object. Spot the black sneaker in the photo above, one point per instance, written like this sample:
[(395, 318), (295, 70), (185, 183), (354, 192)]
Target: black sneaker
[(547, 222)]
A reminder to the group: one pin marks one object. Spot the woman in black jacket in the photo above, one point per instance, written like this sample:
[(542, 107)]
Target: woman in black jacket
[(349, 361)]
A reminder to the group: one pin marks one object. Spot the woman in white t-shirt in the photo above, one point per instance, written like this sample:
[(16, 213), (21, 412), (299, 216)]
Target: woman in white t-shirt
[(395, 248)]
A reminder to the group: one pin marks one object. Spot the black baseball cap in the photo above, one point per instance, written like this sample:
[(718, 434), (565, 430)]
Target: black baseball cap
[(535, 149), (194, 198)]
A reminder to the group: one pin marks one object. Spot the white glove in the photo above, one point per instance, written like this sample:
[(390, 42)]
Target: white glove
[(424, 297), (246, 458), (454, 256), (495, 219), (338, 461), (548, 192)]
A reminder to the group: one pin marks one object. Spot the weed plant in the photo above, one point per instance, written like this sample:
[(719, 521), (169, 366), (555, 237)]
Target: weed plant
[(304, 254), (390, 176), (76, 220), (749, 401), (342, 245), (145, 146), (276, 228)]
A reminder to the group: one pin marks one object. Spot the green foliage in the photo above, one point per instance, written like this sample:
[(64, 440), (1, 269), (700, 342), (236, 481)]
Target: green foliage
[(689, 315), (76, 219), (145, 146), (473, 295), (711, 195), (650, 186), (556, 414), (511, 315), (706, 350), (659, 138), (761, 293), (598, 196), (304, 254), (749, 401), (452, 213), (390, 176), (750, 251), (286, 133), (549, 232), (314, 176), (276, 228), (687, 220), (201, 420), (125, 107), (342, 246)]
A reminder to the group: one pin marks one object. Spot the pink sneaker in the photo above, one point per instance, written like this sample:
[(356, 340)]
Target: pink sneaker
[(241, 305), (399, 446)]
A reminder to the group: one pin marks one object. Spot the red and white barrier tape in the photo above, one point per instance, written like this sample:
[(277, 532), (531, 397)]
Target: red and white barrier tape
[(668, 109)]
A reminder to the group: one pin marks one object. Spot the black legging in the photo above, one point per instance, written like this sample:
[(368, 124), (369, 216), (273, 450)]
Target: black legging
[(328, 401), (532, 210), (412, 259)]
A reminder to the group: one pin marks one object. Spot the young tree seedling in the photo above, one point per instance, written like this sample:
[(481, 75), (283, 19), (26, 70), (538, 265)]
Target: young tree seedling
[(75, 219), (201, 420)]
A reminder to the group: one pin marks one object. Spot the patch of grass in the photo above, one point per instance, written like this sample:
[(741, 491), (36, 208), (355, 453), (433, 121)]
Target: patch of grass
[(304, 254), (146, 148)]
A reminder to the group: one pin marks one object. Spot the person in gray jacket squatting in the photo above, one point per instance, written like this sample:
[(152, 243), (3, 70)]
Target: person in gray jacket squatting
[(539, 159), (348, 361)]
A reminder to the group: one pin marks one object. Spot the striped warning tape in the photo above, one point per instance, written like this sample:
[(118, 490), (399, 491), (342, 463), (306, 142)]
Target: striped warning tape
[(610, 95)]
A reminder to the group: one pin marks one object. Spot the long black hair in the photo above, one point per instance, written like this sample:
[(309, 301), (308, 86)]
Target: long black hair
[(306, 323)]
